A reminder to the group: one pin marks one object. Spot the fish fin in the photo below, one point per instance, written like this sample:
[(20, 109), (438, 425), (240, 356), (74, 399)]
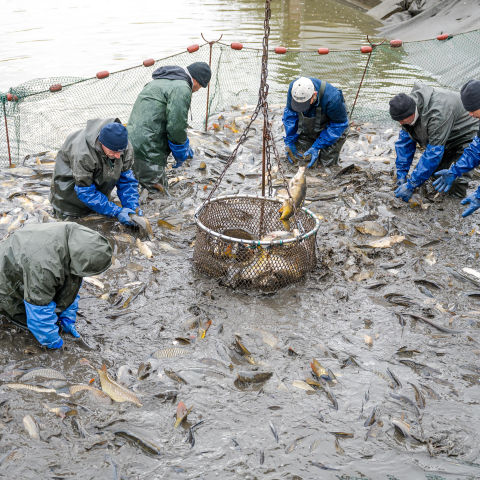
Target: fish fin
[(286, 224)]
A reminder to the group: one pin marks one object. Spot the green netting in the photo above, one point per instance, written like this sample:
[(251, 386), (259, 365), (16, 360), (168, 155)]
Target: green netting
[(40, 120)]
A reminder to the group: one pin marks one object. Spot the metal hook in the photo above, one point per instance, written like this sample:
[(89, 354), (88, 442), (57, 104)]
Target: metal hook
[(211, 43)]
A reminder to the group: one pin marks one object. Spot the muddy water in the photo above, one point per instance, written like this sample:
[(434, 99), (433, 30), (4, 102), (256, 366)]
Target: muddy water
[(332, 316), (44, 39)]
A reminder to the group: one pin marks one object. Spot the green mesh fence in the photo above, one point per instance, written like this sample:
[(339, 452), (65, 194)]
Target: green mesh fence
[(39, 120)]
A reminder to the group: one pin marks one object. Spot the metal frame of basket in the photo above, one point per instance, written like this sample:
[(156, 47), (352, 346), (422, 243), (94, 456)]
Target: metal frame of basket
[(252, 264)]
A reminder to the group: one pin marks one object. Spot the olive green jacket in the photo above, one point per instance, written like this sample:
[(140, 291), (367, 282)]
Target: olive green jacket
[(160, 114), (442, 119), (81, 161), (44, 262)]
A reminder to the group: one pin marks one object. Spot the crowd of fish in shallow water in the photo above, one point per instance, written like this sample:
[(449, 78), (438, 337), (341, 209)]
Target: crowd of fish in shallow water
[(367, 369)]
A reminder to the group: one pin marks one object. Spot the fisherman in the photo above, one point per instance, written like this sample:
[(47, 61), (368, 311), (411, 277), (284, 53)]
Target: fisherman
[(315, 121), (435, 119), (470, 95), (159, 120), (41, 271), (89, 165)]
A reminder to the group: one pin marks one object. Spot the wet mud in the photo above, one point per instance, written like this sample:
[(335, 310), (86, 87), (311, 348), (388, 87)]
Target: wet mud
[(389, 395)]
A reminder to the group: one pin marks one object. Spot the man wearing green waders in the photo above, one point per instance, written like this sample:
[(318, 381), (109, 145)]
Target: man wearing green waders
[(159, 120), (41, 272)]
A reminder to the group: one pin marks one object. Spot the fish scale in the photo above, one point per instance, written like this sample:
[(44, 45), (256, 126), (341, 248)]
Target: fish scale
[(33, 388), (114, 390), (42, 372), (170, 352)]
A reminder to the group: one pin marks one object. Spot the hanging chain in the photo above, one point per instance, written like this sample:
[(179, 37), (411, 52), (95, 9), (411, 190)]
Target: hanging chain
[(269, 142)]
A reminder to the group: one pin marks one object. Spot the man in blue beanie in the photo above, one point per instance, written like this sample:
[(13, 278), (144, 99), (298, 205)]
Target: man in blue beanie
[(434, 119), (89, 165), (159, 120), (470, 94)]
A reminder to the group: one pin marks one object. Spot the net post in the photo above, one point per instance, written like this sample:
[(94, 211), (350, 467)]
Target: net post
[(208, 86), (6, 131), (373, 45)]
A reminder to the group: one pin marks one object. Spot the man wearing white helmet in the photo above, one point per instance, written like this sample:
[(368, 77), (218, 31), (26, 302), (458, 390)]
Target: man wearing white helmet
[(315, 121)]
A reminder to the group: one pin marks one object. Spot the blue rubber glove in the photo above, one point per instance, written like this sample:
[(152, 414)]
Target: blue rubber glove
[(330, 134), (427, 164), (123, 216), (290, 122), (445, 181), (474, 202), (42, 322), (97, 201), (68, 318), (314, 153), (469, 160), (404, 192), (405, 148), (180, 152), (401, 179), (292, 153), (127, 190)]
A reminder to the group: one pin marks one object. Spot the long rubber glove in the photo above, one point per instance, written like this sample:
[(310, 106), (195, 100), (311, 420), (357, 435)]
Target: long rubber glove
[(445, 181), (401, 179), (123, 216), (290, 122), (292, 153), (180, 152), (404, 192), (474, 201), (127, 191), (97, 201), (313, 151), (429, 161), (329, 136), (405, 148), (42, 322), (68, 318), (469, 160)]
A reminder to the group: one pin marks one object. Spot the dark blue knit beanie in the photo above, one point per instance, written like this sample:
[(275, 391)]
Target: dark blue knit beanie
[(114, 136), (470, 94)]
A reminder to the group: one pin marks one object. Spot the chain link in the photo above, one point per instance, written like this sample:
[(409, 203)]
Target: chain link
[(269, 142)]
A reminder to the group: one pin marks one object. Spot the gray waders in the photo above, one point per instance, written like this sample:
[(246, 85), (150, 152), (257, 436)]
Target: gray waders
[(309, 129)]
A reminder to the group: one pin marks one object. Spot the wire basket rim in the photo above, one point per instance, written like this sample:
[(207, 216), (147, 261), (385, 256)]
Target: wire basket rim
[(255, 243)]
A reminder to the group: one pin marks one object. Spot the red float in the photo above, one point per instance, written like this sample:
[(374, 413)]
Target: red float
[(396, 43), (366, 49), (103, 74), (236, 46), (280, 50), (55, 88), (193, 48), (444, 36), (323, 51), (149, 62), (12, 98)]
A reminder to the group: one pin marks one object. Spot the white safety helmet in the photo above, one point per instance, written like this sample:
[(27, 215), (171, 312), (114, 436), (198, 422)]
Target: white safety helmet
[(302, 92)]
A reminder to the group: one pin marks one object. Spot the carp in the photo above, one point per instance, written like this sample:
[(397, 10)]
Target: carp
[(298, 190)]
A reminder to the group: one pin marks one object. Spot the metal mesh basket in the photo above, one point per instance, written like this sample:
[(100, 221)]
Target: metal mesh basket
[(252, 264)]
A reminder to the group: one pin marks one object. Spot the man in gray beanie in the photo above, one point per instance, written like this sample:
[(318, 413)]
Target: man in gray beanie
[(435, 119), (470, 94), (159, 120)]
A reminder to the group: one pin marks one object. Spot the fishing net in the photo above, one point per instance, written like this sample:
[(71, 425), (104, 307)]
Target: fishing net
[(39, 119), (243, 263)]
